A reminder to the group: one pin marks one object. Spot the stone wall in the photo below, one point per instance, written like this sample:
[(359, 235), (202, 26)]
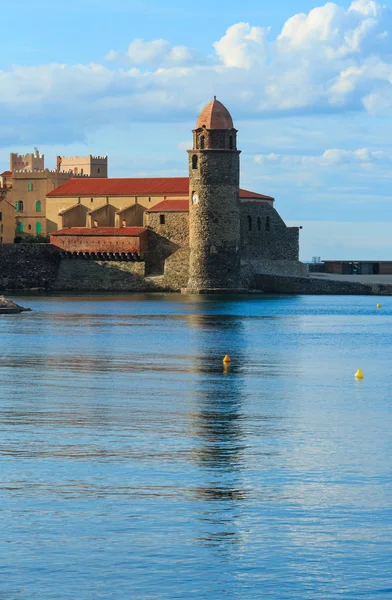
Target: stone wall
[(101, 276), (266, 266), (165, 239), (177, 270), (276, 284), (28, 266), (264, 234), (214, 220)]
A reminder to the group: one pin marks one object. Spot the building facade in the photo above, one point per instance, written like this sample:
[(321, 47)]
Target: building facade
[(92, 166), (33, 161), (204, 232)]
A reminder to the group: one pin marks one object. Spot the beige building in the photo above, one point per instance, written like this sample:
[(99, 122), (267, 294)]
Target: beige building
[(7, 211), (27, 162), (92, 166), (28, 196)]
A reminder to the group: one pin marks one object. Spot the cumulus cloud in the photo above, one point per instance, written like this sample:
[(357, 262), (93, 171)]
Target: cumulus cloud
[(330, 60), (330, 157)]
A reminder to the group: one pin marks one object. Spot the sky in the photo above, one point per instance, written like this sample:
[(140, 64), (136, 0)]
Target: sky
[(309, 86)]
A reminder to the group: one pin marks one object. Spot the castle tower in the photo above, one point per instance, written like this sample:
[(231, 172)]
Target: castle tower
[(214, 211)]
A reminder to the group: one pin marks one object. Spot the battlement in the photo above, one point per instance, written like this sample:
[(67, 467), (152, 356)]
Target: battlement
[(27, 162), (94, 166)]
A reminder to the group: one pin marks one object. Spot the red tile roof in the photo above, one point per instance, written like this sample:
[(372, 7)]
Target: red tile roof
[(170, 206), (247, 194), (6, 174), (149, 186), (123, 187), (131, 231)]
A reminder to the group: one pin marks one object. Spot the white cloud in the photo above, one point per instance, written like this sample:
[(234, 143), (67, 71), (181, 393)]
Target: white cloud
[(330, 60), (242, 46)]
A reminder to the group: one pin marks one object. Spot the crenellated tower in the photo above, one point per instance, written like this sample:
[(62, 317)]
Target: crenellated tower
[(214, 212)]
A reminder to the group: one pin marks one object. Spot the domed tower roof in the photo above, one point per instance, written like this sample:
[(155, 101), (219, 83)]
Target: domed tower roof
[(215, 116)]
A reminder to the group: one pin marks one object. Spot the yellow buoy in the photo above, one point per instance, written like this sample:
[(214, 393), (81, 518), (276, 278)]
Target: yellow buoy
[(378, 305), (359, 374), (227, 359)]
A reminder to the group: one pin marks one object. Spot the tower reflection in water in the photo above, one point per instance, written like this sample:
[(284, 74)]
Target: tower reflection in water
[(219, 436)]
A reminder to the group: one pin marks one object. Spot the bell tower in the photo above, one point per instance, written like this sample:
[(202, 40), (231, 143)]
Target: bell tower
[(214, 210)]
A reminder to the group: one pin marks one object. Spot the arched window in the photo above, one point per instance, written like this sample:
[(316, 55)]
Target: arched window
[(268, 224), (231, 145), (258, 224), (202, 142), (38, 227), (20, 227), (249, 223), (20, 206), (38, 206), (194, 161)]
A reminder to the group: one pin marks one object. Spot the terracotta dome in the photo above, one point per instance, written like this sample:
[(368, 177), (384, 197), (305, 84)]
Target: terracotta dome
[(215, 116)]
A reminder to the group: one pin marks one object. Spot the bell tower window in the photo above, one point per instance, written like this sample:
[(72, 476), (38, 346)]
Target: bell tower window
[(231, 144), (249, 223), (268, 224), (194, 161), (202, 142)]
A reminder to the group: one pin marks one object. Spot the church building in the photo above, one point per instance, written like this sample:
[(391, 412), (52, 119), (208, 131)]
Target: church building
[(202, 232)]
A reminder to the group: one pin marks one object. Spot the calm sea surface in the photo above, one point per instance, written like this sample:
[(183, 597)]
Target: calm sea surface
[(133, 466)]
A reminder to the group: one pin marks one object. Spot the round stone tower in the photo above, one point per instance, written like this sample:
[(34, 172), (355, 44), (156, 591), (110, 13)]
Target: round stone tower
[(214, 211)]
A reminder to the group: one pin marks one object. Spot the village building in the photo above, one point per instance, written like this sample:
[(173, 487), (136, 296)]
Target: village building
[(7, 211), (205, 228), (27, 184), (92, 166)]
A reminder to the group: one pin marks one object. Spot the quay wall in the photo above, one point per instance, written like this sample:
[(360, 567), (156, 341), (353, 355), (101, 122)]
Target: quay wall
[(28, 266), (280, 284), (40, 267)]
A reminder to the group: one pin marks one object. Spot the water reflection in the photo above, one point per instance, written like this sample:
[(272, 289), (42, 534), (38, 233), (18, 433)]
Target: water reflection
[(218, 427)]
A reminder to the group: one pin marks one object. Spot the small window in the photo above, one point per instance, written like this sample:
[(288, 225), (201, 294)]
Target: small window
[(268, 224), (258, 224), (98, 170), (202, 142), (1, 228), (38, 227), (81, 171), (1, 216), (231, 145), (194, 161), (30, 187), (29, 227), (249, 223), (162, 219), (20, 227), (149, 199), (38, 206), (20, 206), (92, 200)]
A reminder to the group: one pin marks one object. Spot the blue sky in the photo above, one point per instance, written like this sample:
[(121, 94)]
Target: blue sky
[(309, 86)]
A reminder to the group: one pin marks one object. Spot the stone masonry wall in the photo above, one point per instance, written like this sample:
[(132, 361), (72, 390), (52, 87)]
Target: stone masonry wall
[(101, 276), (177, 270), (214, 224), (276, 284), (164, 240), (28, 266), (264, 234)]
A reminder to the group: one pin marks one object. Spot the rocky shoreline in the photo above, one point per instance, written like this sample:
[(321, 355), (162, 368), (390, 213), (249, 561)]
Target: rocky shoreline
[(9, 307)]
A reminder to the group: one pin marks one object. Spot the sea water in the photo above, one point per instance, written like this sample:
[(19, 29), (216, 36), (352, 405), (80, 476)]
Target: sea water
[(134, 465)]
